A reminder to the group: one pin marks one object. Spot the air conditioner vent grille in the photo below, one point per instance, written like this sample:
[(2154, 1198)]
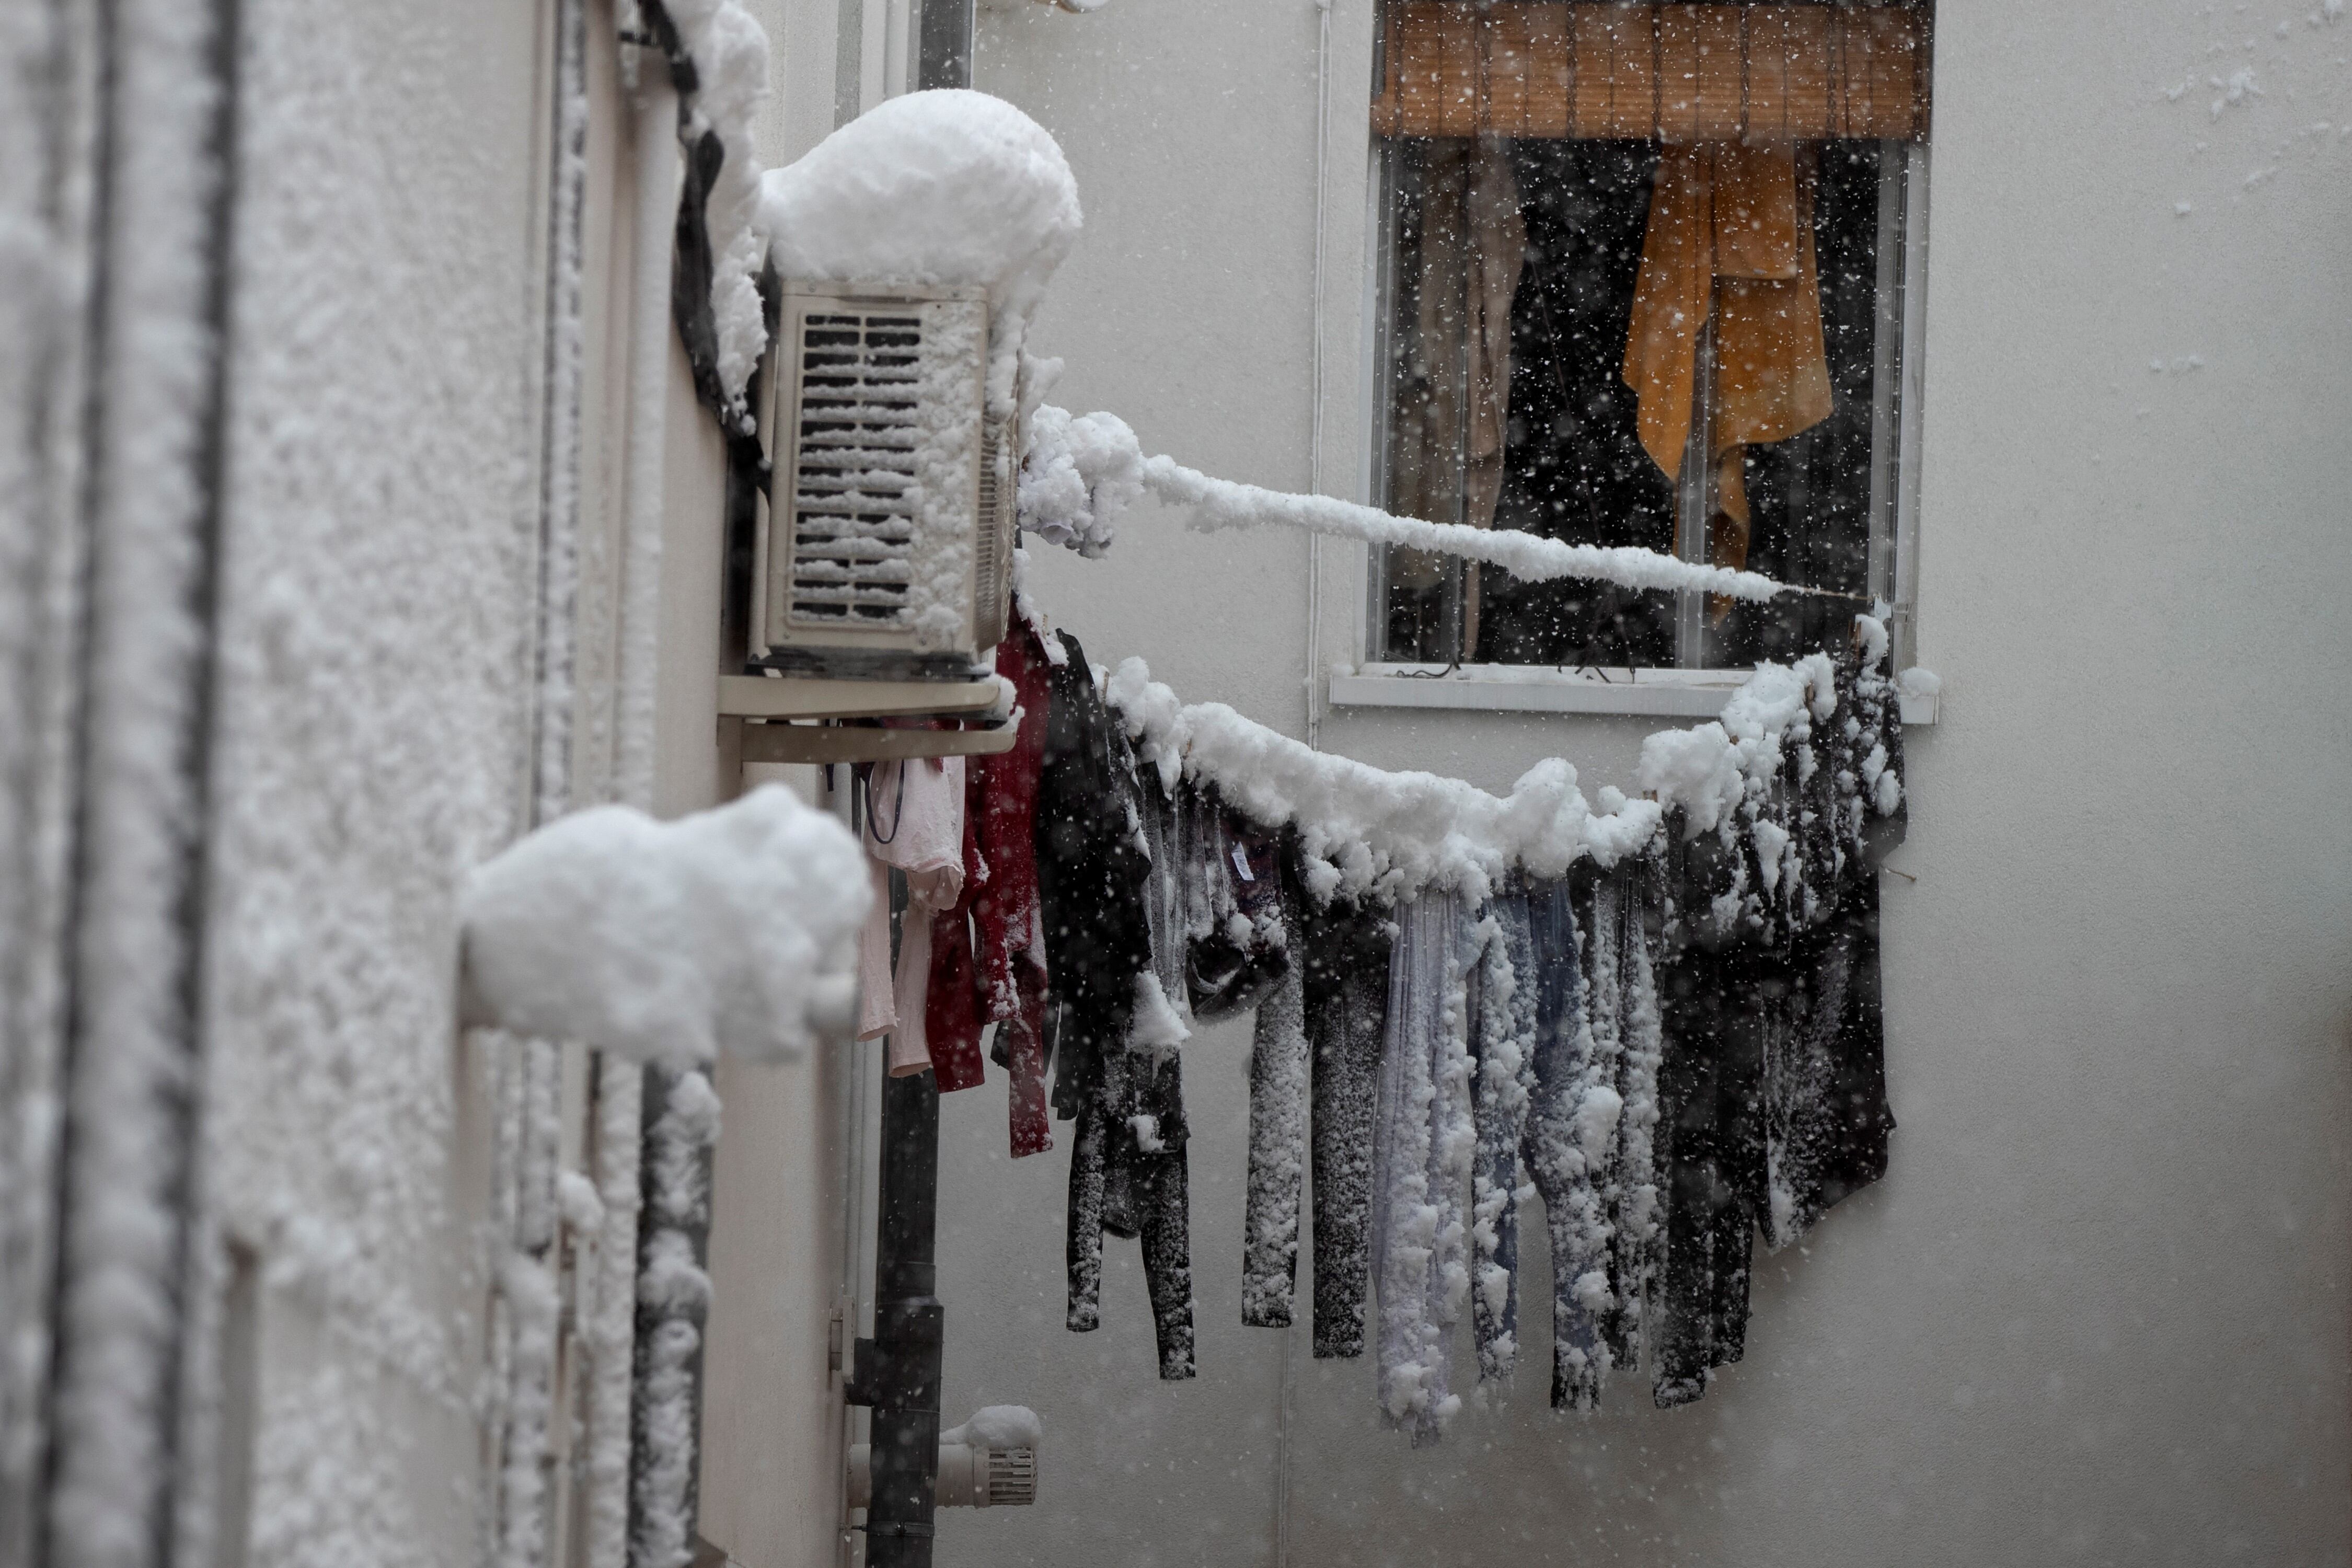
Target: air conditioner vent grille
[(854, 474), (1011, 1477), (993, 565)]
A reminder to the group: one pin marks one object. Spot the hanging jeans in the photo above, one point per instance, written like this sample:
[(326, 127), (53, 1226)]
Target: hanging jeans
[(1128, 1177), (1426, 1144), (1826, 1120), (1572, 1118), (1279, 1068), (1345, 953), (1616, 919), (1502, 995)]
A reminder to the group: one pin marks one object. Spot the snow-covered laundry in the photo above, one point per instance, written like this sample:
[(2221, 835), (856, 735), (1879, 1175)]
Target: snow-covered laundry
[(1237, 946), (1659, 1018), (1568, 1125), (1279, 1075), (1502, 995), (1423, 1149), (989, 951), (1117, 1070), (913, 823), (1345, 952)]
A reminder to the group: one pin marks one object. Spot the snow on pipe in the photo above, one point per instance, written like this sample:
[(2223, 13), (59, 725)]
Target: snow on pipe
[(1389, 835), (717, 55)]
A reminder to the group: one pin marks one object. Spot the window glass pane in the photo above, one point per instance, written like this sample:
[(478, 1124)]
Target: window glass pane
[(1571, 463)]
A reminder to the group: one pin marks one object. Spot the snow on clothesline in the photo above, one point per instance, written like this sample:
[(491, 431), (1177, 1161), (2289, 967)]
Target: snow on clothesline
[(1221, 503), (1370, 833), (1079, 474)]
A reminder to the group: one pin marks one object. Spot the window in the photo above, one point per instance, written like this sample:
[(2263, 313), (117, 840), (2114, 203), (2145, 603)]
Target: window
[(1643, 277)]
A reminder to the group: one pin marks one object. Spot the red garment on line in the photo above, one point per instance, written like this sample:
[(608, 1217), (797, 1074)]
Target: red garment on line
[(988, 952)]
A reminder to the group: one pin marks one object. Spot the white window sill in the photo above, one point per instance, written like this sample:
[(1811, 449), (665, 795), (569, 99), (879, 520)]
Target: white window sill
[(1542, 689)]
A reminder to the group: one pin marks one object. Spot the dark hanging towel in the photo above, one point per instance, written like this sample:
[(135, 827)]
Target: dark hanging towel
[(1090, 877), (1127, 1170), (1343, 949), (1774, 1082), (1715, 1003)]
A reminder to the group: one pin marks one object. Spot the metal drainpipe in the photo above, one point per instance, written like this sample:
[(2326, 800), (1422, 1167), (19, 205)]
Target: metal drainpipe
[(946, 44), (896, 1371)]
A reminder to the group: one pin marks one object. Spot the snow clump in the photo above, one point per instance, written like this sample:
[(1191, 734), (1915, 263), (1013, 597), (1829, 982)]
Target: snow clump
[(666, 941), (999, 1429), (1078, 476), (943, 188), (1710, 770)]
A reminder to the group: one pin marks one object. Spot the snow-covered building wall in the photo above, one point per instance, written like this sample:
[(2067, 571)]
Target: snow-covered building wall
[(2099, 1306), (360, 516), (443, 560)]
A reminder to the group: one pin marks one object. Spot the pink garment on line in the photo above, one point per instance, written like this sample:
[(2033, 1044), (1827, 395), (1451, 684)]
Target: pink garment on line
[(914, 821)]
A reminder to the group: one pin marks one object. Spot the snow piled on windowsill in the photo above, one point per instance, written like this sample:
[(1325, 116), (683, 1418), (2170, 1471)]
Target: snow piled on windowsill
[(1563, 688)]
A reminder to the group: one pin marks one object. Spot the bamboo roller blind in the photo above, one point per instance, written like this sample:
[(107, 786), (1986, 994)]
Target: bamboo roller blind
[(1670, 73)]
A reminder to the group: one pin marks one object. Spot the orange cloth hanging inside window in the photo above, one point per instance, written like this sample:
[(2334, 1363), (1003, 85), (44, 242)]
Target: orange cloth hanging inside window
[(1731, 233)]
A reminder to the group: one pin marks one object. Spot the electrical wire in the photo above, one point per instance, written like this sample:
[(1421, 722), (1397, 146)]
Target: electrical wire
[(1315, 371), (1314, 659)]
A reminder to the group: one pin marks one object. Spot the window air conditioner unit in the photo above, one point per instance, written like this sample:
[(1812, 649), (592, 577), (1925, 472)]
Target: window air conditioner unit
[(886, 549)]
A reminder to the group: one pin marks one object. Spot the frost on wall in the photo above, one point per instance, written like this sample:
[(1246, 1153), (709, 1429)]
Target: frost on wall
[(666, 941), (380, 586)]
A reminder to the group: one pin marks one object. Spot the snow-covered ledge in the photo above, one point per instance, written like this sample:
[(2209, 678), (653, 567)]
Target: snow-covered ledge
[(1545, 688)]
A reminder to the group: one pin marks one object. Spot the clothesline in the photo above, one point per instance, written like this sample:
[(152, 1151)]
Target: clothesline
[(1663, 1013), (1221, 503), (1082, 473)]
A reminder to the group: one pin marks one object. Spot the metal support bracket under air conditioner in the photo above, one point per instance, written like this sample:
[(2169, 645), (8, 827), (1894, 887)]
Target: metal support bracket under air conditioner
[(803, 720)]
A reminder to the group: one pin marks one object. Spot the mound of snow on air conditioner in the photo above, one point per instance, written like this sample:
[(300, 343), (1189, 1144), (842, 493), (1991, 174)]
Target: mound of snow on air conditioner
[(733, 928), (945, 188)]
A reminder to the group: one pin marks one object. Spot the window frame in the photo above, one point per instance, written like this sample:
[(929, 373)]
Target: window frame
[(1687, 687)]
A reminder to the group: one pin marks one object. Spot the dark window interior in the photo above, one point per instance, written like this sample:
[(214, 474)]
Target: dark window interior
[(1574, 468)]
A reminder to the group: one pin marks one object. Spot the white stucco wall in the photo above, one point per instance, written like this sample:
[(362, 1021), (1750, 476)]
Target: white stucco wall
[(2098, 1310), (377, 607)]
